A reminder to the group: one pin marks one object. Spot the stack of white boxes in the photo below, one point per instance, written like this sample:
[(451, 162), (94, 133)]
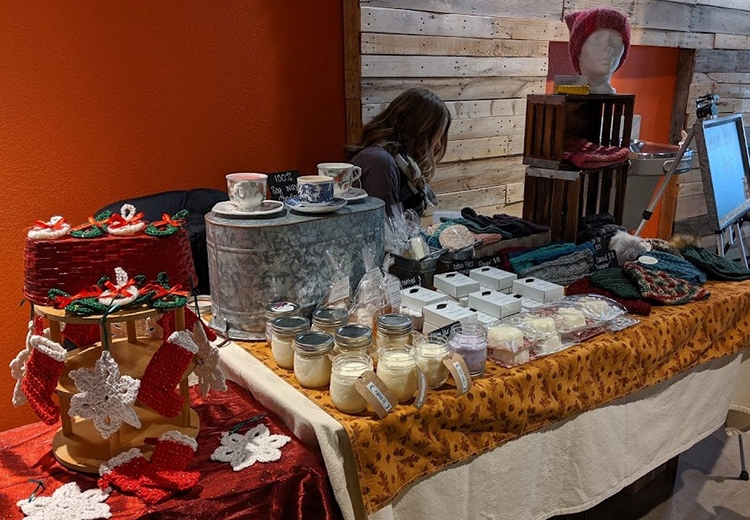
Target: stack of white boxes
[(538, 290), (413, 300)]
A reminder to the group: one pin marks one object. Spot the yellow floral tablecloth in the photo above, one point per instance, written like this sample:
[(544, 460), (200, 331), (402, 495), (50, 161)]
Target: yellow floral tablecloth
[(408, 445)]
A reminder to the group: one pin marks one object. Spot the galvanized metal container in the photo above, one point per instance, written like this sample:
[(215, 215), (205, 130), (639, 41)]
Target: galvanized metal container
[(255, 262)]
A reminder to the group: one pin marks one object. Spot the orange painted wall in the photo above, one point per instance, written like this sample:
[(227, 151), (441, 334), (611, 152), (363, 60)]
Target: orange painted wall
[(106, 100)]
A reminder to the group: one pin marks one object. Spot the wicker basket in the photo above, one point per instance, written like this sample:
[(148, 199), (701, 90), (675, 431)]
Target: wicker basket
[(73, 264)]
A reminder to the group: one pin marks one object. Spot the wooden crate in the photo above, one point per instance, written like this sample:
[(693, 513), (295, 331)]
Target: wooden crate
[(596, 118), (560, 198)]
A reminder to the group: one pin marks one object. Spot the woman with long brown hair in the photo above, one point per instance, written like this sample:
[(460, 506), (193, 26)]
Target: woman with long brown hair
[(400, 148)]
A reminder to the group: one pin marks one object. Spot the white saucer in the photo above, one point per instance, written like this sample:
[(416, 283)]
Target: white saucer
[(268, 207), (354, 194), (301, 207)]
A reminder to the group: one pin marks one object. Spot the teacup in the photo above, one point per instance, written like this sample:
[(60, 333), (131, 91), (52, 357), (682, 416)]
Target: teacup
[(315, 189), (344, 175), (247, 190)]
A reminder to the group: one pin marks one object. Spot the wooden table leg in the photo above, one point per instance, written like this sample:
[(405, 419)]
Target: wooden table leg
[(132, 336)]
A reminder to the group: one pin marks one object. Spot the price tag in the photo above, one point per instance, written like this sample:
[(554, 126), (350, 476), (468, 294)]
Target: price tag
[(460, 373), (375, 392), (421, 390), (340, 290), (393, 287)]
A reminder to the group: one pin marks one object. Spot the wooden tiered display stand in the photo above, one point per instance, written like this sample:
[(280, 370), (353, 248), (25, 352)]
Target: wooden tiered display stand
[(556, 194), (78, 445)]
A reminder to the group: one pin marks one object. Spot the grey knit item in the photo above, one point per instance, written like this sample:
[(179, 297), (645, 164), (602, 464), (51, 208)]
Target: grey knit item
[(564, 270)]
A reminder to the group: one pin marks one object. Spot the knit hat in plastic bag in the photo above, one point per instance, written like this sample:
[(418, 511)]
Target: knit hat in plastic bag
[(582, 23)]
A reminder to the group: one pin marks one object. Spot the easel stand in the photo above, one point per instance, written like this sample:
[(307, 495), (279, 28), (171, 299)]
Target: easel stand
[(733, 229)]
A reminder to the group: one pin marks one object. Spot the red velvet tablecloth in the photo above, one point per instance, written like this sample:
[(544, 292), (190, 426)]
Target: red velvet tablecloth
[(293, 488)]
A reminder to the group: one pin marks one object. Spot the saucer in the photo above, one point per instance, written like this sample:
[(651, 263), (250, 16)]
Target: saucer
[(303, 207), (354, 194), (228, 209)]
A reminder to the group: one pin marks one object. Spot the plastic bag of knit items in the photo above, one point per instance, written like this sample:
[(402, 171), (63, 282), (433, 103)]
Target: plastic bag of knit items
[(508, 346), (540, 329)]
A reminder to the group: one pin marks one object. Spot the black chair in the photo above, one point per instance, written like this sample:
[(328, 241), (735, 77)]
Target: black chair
[(198, 202)]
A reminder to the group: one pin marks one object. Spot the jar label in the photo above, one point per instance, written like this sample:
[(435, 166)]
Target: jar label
[(421, 390), (375, 392), (460, 373)]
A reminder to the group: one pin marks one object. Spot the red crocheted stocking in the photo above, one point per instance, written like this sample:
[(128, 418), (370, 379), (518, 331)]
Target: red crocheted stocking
[(43, 371), (123, 472), (165, 474), (167, 322), (164, 372), (82, 335)]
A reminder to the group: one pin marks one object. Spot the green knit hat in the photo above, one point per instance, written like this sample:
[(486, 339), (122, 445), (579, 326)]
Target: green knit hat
[(715, 266), (615, 281), (660, 287)]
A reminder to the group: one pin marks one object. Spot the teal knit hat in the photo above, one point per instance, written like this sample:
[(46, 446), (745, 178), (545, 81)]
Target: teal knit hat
[(715, 266), (615, 281), (677, 267)]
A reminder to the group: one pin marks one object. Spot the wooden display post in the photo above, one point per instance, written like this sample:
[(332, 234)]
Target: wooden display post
[(78, 445)]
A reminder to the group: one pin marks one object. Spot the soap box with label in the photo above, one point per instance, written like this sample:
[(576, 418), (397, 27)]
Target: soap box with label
[(495, 303), (455, 285), (444, 313), (493, 278), (538, 290), (527, 304), (417, 297)]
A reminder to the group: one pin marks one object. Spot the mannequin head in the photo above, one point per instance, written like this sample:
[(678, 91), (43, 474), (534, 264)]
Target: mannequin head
[(599, 42)]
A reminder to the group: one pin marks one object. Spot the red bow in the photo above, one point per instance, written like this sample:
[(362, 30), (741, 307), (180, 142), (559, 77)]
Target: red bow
[(45, 225), (63, 301), (167, 220), (91, 224), (161, 291), (119, 292), (118, 221)]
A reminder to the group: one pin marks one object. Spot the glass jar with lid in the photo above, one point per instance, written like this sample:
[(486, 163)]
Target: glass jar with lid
[(328, 319), (397, 367), (312, 366), (471, 342), (352, 338), (394, 331), (277, 310), (431, 351), (347, 367), (285, 329)]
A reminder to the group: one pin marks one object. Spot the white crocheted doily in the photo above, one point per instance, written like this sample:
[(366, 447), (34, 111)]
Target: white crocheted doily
[(67, 503), (105, 396), (127, 212), (207, 366), (56, 228), (243, 450)]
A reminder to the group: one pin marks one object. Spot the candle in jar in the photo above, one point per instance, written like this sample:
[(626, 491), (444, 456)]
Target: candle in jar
[(312, 372), (283, 353), (397, 368), (430, 356), (346, 370), (471, 343)]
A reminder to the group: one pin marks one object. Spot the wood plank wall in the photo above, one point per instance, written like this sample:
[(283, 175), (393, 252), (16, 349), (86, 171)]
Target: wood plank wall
[(484, 56)]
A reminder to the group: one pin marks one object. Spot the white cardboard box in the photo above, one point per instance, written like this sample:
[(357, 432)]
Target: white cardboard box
[(455, 285), (485, 320), (494, 303), (463, 301), (493, 278), (527, 304), (417, 297), (445, 313), (538, 290)]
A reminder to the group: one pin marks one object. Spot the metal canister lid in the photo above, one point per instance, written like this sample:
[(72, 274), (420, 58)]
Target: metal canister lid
[(290, 325), (279, 309), (315, 343), (330, 316), (395, 324), (353, 336)]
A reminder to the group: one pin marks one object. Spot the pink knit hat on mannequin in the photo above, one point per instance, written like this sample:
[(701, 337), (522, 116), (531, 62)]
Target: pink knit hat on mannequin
[(582, 23)]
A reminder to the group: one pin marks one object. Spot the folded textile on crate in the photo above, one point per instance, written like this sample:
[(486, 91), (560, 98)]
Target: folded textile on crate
[(633, 305), (659, 286), (565, 269), (477, 223), (523, 261), (716, 267), (588, 156), (517, 226), (677, 267), (615, 281)]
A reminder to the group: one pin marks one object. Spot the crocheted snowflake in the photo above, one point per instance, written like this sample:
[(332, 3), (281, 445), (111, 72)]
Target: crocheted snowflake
[(207, 367), (105, 396), (18, 368), (67, 503), (243, 450)]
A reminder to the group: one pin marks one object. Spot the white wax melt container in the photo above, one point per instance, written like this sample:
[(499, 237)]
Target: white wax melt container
[(415, 298), (445, 313), (493, 278), (455, 285), (495, 303), (538, 290)]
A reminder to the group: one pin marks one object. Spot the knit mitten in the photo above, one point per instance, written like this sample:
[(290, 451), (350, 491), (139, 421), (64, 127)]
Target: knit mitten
[(43, 370), (715, 266), (164, 372), (123, 472), (660, 287), (165, 474)]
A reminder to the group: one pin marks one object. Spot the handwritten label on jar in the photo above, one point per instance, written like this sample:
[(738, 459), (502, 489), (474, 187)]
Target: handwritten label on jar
[(460, 373), (421, 390), (375, 392)]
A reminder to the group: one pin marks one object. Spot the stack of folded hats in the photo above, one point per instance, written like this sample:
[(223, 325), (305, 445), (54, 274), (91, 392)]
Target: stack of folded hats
[(561, 263), (515, 227)]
